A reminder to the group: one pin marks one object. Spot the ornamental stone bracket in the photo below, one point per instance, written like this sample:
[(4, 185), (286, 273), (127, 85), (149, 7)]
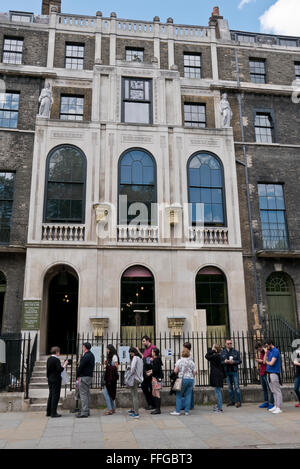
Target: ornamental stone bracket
[(174, 214), (102, 212), (176, 326), (100, 326)]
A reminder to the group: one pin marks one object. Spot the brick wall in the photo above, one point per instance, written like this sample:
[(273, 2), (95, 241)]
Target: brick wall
[(58, 91), (35, 44), (205, 52), (60, 49)]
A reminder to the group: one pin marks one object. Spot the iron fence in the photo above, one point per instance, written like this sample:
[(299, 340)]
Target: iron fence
[(20, 356), (171, 347)]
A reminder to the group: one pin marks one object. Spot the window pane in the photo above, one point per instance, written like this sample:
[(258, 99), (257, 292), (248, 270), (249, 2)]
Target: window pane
[(137, 113)]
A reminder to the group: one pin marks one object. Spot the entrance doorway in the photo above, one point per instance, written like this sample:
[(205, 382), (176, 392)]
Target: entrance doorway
[(62, 311), (137, 304), (281, 297)]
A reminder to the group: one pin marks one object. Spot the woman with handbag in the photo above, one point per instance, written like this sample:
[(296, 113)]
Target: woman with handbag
[(157, 376), (217, 374), (133, 378), (185, 368), (110, 379)]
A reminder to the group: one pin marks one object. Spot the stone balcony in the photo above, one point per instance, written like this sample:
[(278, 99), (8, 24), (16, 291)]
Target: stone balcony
[(63, 232)]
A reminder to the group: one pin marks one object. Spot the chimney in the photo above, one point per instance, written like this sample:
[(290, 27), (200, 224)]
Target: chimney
[(47, 4), (216, 11)]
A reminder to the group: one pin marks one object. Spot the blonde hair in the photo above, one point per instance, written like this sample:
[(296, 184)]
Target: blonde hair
[(185, 353)]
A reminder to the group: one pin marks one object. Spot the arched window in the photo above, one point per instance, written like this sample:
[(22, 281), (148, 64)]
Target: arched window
[(2, 295), (211, 294), (137, 181), (281, 297), (206, 186), (137, 303), (65, 185)]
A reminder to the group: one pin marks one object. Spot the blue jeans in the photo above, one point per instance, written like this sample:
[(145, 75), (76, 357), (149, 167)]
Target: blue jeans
[(186, 393), (233, 380), (219, 397), (266, 388), (297, 387), (109, 402)]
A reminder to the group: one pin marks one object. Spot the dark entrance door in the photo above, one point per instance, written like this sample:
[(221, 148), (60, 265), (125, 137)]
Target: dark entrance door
[(62, 311)]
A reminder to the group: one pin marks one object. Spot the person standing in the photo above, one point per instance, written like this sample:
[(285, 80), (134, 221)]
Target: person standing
[(85, 376), (230, 359), (133, 379), (147, 383), (186, 370), (54, 371), (297, 378), (110, 378), (217, 374), (157, 376), (273, 361), (268, 402)]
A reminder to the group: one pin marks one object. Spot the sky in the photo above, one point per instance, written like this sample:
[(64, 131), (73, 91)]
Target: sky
[(267, 16)]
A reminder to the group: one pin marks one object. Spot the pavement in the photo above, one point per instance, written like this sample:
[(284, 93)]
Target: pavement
[(247, 427)]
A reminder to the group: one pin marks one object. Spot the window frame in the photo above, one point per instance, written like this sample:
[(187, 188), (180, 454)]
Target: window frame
[(65, 95), (149, 102), (84, 184), (187, 103), (20, 14), (255, 74), (74, 44), (248, 36), (288, 40), (17, 93), (192, 54), (153, 185), (134, 49), (273, 210), (270, 112), (223, 189), (297, 64), (15, 52), (12, 206)]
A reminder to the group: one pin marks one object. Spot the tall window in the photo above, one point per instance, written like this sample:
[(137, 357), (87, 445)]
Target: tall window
[(205, 175), (194, 115), (2, 296), (264, 127), (211, 295), (65, 185), (134, 54), (74, 56), (258, 70), (137, 181), (7, 182), (192, 65), (272, 216), (72, 108), (137, 101), (9, 109), (297, 70), (12, 50)]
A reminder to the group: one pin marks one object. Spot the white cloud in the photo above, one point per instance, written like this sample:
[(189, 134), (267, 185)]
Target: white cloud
[(282, 18), (244, 2)]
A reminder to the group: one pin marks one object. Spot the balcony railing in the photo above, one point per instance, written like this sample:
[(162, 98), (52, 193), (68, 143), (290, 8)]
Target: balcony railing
[(277, 240), (63, 232), (137, 234), (208, 235)]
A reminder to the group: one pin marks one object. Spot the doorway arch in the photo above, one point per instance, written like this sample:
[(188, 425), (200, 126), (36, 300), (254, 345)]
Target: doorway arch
[(61, 285), (137, 303), (281, 297)]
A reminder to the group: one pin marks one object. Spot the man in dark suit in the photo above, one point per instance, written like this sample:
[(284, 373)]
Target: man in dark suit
[(54, 371), (85, 376)]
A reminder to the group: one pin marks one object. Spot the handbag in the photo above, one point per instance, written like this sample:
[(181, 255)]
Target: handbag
[(177, 385), (65, 378)]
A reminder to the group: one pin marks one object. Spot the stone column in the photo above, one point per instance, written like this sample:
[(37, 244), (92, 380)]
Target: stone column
[(171, 42), (98, 37), (113, 39), (51, 44), (156, 20)]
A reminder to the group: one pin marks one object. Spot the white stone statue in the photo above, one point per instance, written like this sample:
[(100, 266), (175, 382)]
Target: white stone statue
[(45, 101), (226, 113)]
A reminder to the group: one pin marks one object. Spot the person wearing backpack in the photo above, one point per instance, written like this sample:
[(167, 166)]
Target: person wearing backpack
[(157, 376), (134, 377)]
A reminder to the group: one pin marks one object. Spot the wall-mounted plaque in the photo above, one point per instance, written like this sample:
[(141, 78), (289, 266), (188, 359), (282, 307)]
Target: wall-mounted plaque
[(31, 315)]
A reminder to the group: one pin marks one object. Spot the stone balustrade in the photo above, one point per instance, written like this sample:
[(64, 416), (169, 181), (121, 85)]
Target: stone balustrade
[(208, 235), (137, 234), (63, 232)]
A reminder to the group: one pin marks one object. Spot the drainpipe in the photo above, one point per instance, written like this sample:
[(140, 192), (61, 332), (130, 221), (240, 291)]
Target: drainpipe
[(247, 189)]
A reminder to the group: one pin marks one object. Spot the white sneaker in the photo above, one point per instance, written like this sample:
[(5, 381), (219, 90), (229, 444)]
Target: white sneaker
[(186, 413), (174, 413), (272, 410), (277, 411)]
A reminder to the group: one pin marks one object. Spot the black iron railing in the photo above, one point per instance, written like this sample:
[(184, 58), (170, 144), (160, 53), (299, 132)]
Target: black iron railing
[(172, 345)]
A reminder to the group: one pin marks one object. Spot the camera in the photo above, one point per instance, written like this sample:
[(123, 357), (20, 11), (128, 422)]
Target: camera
[(69, 361)]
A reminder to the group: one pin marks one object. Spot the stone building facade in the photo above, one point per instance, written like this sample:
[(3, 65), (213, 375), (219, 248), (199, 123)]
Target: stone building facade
[(136, 112)]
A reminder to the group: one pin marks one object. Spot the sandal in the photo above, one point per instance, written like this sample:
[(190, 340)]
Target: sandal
[(108, 412)]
